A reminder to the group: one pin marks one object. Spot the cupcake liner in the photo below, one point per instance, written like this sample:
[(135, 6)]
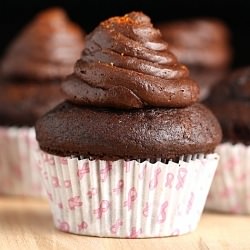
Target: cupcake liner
[(18, 173), (230, 190), (127, 199)]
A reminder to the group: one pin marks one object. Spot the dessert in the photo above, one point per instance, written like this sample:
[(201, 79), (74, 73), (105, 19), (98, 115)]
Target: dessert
[(203, 45), (120, 156), (230, 102), (30, 74)]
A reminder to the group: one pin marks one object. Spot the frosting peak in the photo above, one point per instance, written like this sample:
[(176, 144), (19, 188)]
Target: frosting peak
[(126, 64), (46, 49)]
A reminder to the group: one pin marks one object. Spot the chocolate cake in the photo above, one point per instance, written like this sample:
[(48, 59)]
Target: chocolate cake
[(34, 66), (128, 98)]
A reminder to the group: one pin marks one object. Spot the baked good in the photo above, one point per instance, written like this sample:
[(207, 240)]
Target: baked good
[(137, 134), (30, 74), (230, 102), (33, 66), (129, 137), (203, 45), (23, 103)]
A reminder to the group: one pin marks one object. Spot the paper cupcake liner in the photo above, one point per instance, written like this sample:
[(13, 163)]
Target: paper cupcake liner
[(18, 173), (127, 199), (230, 190)]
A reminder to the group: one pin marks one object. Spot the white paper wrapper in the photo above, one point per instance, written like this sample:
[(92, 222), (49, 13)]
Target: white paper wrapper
[(126, 199), (18, 173), (230, 190)]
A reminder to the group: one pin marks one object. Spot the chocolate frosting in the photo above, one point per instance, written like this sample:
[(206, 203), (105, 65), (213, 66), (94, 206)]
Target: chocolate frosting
[(203, 42), (46, 49), (126, 64)]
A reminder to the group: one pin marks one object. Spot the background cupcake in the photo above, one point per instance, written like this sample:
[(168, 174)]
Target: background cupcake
[(130, 153), (31, 72), (230, 101), (203, 45)]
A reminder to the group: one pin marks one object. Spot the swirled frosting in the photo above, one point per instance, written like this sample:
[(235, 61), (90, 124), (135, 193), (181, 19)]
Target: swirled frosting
[(203, 42), (46, 49), (126, 64)]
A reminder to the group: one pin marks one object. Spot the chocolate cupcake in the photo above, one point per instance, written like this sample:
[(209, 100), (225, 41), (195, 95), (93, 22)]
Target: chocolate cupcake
[(203, 45), (230, 101), (34, 65), (31, 71), (120, 156)]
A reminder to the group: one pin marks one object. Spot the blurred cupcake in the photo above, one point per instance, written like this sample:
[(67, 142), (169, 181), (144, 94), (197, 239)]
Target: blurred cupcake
[(230, 101), (130, 153), (31, 72), (203, 45)]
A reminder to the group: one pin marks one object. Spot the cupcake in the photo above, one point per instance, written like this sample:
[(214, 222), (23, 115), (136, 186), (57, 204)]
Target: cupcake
[(230, 101), (31, 72), (130, 153), (203, 45)]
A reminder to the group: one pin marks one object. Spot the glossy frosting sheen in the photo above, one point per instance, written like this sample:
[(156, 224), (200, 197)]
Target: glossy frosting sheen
[(46, 49), (126, 64)]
